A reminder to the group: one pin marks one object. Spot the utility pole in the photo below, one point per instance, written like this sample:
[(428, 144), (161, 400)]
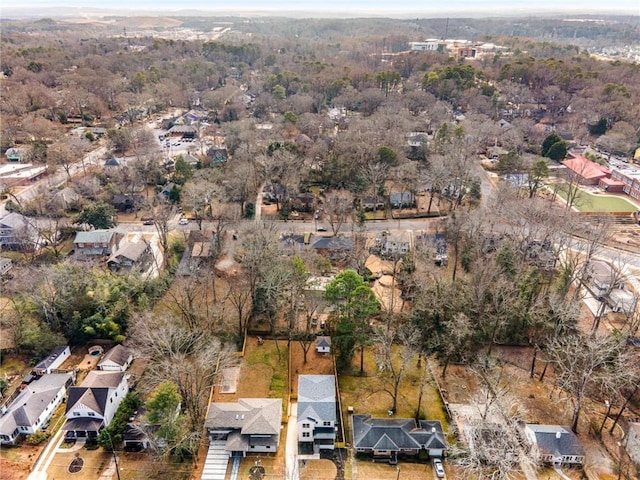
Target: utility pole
[(115, 457)]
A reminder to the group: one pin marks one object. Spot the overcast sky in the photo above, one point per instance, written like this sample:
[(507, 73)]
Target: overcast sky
[(371, 6)]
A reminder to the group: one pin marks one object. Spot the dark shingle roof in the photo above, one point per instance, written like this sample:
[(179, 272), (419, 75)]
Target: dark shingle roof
[(118, 355), (556, 440), (395, 434)]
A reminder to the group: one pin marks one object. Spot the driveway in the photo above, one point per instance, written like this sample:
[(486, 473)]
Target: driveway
[(291, 460)]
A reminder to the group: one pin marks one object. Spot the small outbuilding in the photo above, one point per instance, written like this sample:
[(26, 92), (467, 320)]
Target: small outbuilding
[(117, 359), (323, 344)]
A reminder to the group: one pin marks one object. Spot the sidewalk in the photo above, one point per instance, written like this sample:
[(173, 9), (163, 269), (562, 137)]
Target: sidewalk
[(39, 471)]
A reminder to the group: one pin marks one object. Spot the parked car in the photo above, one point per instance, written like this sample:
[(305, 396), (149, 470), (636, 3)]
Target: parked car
[(322, 229), (437, 466), (184, 221)]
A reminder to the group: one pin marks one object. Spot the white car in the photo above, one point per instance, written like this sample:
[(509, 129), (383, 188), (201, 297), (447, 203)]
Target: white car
[(437, 466), (183, 221)]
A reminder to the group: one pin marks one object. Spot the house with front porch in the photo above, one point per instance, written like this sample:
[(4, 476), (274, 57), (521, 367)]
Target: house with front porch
[(316, 414), (386, 438), (33, 407), (250, 425), (96, 243), (92, 405), (555, 444)]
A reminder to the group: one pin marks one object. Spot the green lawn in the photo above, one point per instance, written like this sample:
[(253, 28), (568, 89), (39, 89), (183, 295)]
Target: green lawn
[(587, 202)]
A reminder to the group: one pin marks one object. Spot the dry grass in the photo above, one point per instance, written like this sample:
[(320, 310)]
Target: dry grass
[(318, 470), (141, 466), (317, 364), (367, 395), (384, 471), (95, 461), (16, 462)]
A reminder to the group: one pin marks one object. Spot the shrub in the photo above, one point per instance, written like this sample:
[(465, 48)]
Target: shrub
[(37, 438)]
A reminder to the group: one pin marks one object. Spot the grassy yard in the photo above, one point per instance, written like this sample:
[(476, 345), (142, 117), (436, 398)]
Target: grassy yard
[(587, 202), (367, 394)]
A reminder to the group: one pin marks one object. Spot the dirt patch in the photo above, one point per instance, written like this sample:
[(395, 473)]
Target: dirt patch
[(317, 363), (95, 462), (318, 470), (16, 462), (383, 471)]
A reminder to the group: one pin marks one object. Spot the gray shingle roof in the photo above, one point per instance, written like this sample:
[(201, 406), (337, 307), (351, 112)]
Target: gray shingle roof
[(94, 236), (32, 401), (118, 355), (51, 358), (556, 440), (249, 415), (316, 398), (94, 391), (395, 434)]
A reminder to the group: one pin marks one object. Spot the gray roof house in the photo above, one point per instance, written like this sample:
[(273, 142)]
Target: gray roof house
[(117, 359), (388, 437), (131, 255), (557, 445), (53, 360), (323, 344), (18, 232), (316, 414), (33, 407), (95, 243), (247, 426), (92, 405)]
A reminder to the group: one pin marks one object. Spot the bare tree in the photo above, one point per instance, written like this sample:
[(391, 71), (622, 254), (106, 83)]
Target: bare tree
[(391, 365), (190, 358), (585, 365), (338, 206)]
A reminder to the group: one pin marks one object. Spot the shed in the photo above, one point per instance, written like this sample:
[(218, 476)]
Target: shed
[(323, 344)]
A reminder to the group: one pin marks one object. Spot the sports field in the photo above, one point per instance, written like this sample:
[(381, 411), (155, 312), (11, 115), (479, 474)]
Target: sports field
[(587, 202)]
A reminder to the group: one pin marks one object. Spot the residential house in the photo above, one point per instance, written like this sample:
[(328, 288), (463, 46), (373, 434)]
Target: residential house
[(130, 256), (183, 131), (165, 192), (323, 344), (66, 199), (393, 245), (5, 266), (16, 154), (96, 243), (134, 439), (292, 243), (33, 406), (217, 156), (556, 445), (542, 254), (372, 203), (304, 202), (18, 232), (333, 247), (92, 405), (389, 437), (603, 278), (127, 202), (117, 359), (247, 426), (402, 200), (632, 442), (316, 413), (53, 360), (622, 301), (588, 172), (437, 244), (114, 163)]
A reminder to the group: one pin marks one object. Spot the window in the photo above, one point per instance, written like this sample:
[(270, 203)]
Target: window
[(305, 425), (327, 424), (305, 434), (91, 414), (76, 414)]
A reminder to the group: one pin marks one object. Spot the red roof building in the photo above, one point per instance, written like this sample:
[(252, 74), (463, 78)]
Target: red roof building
[(590, 173)]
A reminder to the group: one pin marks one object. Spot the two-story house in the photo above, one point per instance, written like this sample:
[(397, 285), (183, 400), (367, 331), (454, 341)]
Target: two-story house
[(92, 405), (96, 243), (33, 407), (18, 232), (246, 426), (316, 414), (131, 256)]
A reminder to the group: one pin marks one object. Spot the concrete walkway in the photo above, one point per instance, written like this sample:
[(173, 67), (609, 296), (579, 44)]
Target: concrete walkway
[(291, 459), (39, 470)]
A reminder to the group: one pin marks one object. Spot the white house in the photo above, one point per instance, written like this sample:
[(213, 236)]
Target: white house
[(117, 359), (92, 405), (33, 407), (53, 360), (557, 445), (323, 344), (316, 414)]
